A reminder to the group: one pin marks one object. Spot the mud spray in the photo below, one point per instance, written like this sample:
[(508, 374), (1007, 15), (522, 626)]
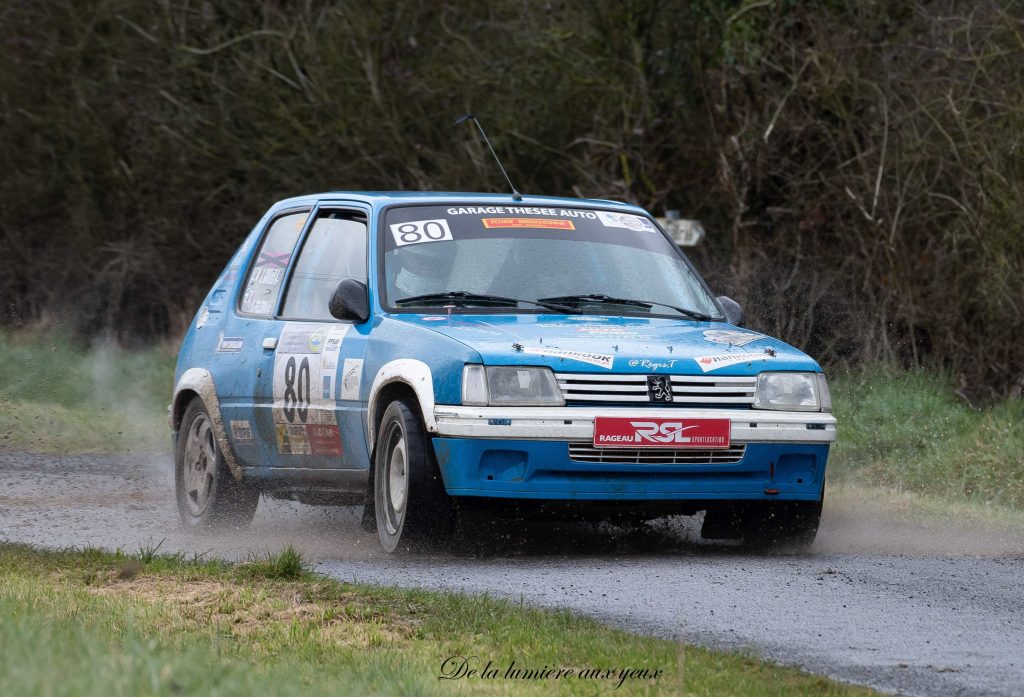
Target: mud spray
[(126, 500)]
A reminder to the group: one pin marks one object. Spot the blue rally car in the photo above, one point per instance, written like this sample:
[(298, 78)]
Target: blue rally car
[(426, 353)]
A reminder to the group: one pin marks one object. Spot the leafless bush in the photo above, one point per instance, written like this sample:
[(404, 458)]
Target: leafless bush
[(858, 164)]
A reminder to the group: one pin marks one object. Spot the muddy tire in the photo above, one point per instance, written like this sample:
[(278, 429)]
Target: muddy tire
[(782, 525), (412, 509), (209, 497)]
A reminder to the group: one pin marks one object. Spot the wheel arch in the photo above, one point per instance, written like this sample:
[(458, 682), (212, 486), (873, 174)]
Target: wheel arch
[(405, 377), (197, 382)]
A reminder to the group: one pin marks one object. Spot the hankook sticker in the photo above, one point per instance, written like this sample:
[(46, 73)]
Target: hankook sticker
[(601, 360), (708, 363)]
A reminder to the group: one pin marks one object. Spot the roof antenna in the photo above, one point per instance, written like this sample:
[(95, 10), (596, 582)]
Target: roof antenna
[(516, 196)]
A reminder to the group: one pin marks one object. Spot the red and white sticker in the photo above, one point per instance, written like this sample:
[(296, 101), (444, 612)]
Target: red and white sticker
[(643, 432)]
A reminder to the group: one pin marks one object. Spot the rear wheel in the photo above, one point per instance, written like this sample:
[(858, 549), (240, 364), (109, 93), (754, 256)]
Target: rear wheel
[(208, 496), (412, 509)]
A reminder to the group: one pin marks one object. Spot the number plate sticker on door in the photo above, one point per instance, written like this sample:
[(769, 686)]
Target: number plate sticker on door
[(645, 432), (304, 370)]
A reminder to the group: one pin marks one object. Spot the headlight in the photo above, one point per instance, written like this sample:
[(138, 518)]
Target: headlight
[(510, 386), (792, 392)]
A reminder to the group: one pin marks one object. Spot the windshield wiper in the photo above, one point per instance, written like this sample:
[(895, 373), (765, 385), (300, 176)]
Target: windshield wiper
[(608, 300), (463, 297)]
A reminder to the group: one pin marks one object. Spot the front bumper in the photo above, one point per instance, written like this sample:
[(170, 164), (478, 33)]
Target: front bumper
[(524, 453), (577, 423)]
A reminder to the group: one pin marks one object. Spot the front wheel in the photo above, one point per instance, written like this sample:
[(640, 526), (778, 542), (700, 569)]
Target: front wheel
[(412, 508), (208, 496)]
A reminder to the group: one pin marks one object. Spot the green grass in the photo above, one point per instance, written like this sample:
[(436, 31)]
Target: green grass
[(908, 431), (58, 395), (88, 623)]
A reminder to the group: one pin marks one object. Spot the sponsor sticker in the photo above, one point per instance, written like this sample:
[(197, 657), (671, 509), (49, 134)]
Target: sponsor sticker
[(230, 344), (601, 360), (708, 363), (420, 231), (607, 330), (332, 347), (274, 260), (648, 364), (266, 275), (522, 210), (302, 337), (528, 223), (241, 432), (351, 377), (255, 305), (316, 340), (204, 317), (731, 337), (646, 432), (626, 220), (323, 439), (292, 439), (308, 439)]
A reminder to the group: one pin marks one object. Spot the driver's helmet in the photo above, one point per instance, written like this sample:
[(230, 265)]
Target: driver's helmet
[(423, 268)]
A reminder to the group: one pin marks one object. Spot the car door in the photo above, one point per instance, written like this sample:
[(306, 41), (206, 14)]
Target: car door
[(307, 400), (238, 354)]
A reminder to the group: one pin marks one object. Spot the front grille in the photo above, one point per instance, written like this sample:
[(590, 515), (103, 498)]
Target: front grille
[(585, 452), (706, 390)]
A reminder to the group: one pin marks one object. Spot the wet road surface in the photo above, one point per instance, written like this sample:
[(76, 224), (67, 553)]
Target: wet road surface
[(902, 606)]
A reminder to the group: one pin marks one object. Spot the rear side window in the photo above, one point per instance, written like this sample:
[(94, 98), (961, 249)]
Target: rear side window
[(267, 274), (335, 249)]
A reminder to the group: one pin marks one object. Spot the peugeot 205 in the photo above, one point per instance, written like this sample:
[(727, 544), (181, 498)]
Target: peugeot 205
[(422, 353)]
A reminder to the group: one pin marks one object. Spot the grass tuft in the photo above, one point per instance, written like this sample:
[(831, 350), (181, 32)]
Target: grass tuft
[(287, 564), (150, 551)]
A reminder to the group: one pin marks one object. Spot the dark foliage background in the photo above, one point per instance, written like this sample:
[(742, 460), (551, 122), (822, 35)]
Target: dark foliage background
[(859, 166)]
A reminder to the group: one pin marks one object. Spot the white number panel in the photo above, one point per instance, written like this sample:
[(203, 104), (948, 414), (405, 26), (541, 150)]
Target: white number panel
[(420, 231), (305, 367)]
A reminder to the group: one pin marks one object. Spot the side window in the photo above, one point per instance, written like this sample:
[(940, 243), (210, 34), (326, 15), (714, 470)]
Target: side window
[(334, 249), (267, 274)]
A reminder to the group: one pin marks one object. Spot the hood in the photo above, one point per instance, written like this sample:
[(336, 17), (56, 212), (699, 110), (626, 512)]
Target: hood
[(595, 344)]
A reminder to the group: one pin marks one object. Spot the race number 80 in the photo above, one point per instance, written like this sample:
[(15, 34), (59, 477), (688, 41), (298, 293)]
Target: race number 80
[(419, 231)]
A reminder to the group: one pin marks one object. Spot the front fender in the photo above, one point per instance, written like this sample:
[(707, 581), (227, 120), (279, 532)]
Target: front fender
[(200, 382), (409, 371)]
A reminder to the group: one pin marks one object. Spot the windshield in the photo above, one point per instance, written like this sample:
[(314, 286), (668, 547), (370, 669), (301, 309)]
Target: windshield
[(529, 253)]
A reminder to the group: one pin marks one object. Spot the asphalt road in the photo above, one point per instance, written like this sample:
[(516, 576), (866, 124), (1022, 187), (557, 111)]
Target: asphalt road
[(916, 608)]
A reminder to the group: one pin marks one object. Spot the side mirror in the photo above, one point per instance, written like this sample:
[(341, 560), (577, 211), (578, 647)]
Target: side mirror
[(350, 301), (733, 310)]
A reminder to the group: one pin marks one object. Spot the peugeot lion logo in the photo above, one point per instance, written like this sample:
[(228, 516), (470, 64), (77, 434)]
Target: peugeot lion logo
[(659, 388)]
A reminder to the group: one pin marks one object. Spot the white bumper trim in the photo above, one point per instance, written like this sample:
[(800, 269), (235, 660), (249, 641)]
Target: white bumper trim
[(577, 423)]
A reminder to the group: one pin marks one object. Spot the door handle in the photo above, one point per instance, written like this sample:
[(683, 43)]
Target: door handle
[(270, 343)]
